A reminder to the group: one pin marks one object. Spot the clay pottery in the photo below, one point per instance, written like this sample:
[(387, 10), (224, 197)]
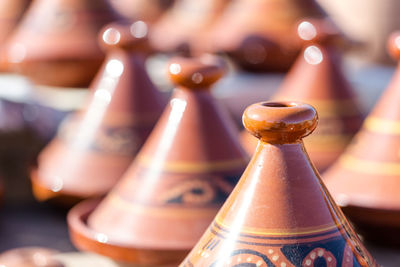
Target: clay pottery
[(316, 78), (11, 12), (186, 26), (29, 257), (280, 213), (56, 42), (179, 180), (146, 10), (260, 35), (94, 147), (365, 180)]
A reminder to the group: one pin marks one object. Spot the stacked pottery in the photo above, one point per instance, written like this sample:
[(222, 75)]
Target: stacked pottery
[(316, 78), (56, 42), (146, 10), (260, 35), (280, 213), (178, 182), (94, 147), (365, 180), (186, 25)]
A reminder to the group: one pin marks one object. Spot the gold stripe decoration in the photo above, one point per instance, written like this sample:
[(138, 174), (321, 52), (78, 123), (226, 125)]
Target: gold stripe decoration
[(194, 167), (370, 166), (383, 126), (278, 232), (162, 211)]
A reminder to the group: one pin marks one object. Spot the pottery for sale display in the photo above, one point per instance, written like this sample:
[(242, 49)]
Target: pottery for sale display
[(94, 147), (186, 25), (260, 35), (146, 10), (317, 78), (179, 180), (56, 42), (365, 181), (29, 257), (280, 213)]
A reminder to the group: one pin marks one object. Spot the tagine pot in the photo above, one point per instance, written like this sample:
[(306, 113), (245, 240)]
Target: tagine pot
[(316, 78), (365, 181), (280, 213), (259, 34), (95, 146), (56, 42), (11, 12), (182, 175), (186, 26), (147, 10)]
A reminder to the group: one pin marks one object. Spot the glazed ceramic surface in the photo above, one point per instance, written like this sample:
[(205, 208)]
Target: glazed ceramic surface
[(317, 78), (280, 213), (365, 180), (95, 146), (147, 10), (260, 35), (56, 43), (186, 25), (183, 174)]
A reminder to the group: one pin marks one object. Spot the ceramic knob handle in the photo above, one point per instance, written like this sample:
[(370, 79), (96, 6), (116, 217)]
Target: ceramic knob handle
[(124, 35), (394, 45), (280, 122), (321, 31), (196, 73)]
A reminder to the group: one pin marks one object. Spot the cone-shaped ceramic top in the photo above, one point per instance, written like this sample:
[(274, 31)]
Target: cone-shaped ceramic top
[(179, 180), (10, 13), (187, 25), (260, 34), (146, 10), (316, 78), (280, 213), (366, 178), (95, 146), (56, 43)]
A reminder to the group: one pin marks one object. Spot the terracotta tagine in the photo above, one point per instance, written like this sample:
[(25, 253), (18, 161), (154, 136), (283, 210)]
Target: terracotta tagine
[(260, 35), (316, 78), (94, 147), (186, 25), (11, 12), (365, 180), (280, 213), (29, 257), (178, 182), (56, 43), (146, 10)]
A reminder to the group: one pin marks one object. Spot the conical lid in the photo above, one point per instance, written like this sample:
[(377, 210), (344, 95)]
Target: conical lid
[(10, 13), (95, 146), (187, 25), (146, 10), (260, 34), (316, 78), (280, 213), (366, 178), (56, 42), (181, 177)]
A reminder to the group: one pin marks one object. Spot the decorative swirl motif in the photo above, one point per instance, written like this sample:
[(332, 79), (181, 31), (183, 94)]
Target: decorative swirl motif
[(319, 257), (245, 258), (210, 190)]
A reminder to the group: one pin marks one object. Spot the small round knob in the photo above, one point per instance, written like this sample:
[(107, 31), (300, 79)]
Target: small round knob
[(196, 73), (320, 31), (280, 122), (124, 35), (394, 45)]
